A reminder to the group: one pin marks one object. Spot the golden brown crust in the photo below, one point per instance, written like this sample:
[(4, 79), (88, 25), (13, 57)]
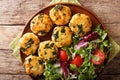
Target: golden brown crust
[(80, 24), (47, 50), (60, 14), (62, 36), (33, 65), (29, 43), (41, 24)]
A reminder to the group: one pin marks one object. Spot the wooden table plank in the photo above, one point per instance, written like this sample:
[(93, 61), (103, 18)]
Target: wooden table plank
[(19, 11), (8, 33), (26, 77), (8, 63), (114, 31), (22, 10), (107, 10), (109, 77), (14, 77), (112, 68)]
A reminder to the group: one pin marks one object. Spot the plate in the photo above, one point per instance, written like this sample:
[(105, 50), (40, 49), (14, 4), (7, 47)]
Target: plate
[(74, 9)]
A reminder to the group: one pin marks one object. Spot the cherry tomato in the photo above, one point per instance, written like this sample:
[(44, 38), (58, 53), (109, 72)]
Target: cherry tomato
[(77, 61), (101, 55), (63, 55)]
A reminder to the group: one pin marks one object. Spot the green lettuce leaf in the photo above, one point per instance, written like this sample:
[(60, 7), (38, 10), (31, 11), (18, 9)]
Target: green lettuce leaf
[(53, 72)]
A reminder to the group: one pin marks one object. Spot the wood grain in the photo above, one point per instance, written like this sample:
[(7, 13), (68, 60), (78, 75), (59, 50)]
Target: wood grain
[(109, 77), (107, 10), (15, 13), (8, 64), (14, 77), (19, 11), (112, 68), (8, 33)]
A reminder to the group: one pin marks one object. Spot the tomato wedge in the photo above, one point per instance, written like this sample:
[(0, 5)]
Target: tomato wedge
[(63, 55), (77, 61), (101, 55)]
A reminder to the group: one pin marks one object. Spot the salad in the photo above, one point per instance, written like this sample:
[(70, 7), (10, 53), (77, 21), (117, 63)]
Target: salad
[(82, 60)]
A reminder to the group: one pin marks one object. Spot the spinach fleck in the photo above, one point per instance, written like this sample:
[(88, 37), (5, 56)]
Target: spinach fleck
[(58, 7), (56, 35), (80, 29), (29, 43), (52, 44), (45, 52), (33, 22), (41, 15), (29, 59), (54, 53), (49, 45), (22, 49), (78, 14), (64, 14), (63, 29), (40, 61), (42, 32)]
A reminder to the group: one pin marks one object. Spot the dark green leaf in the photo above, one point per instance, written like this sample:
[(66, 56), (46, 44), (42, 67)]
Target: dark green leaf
[(102, 33), (68, 52), (56, 35), (58, 7), (49, 45), (42, 32), (41, 15), (83, 77), (29, 43), (63, 29), (80, 29), (75, 40), (51, 72), (41, 62), (29, 59), (22, 49)]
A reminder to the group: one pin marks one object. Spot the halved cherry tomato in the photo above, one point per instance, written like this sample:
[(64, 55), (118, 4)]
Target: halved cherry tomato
[(101, 55), (63, 55), (77, 61)]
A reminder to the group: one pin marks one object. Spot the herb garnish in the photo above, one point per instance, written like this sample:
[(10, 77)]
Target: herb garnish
[(78, 14), (22, 49), (29, 59), (63, 29), (58, 7), (29, 43), (80, 29), (41, 15), (42, 32), (49, 45), (54, 53), (40, 61), (56, 35)]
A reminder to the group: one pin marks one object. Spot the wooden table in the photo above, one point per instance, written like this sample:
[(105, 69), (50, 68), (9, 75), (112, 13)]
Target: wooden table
[(15, 13)]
